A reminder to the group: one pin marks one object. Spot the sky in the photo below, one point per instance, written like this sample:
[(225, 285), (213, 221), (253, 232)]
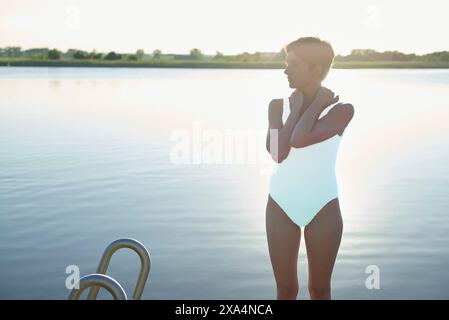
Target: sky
[(231, 26)]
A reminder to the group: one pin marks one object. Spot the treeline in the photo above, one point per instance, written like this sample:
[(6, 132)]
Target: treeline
[(373, 55), (195, 54), (55, 54)]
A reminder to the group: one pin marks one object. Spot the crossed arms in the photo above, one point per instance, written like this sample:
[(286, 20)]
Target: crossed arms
[(302, 131)]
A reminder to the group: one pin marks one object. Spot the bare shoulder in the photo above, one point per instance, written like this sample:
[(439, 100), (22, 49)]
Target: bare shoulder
[(343, 111), (342, 114)]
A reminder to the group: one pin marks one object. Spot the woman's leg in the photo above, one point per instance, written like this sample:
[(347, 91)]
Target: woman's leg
[(323, 236), (283, 243)]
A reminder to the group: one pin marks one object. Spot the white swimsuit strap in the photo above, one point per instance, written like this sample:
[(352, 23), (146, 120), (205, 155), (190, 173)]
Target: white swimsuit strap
[(285, 109)]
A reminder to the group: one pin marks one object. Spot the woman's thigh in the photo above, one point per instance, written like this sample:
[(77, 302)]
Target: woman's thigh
[(323, 237), (283, 237)]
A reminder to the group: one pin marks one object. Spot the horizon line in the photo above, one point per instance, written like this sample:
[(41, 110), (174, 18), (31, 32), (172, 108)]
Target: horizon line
[(207, 54)]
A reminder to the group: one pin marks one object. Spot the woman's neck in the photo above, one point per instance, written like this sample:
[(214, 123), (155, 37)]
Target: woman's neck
[(309, 92)]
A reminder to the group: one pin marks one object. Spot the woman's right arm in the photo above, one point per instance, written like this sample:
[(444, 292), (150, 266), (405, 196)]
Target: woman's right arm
[(277, 130)]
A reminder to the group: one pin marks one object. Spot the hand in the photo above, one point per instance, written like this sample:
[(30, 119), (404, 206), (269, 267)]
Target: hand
[(325, 97), (296, 101)]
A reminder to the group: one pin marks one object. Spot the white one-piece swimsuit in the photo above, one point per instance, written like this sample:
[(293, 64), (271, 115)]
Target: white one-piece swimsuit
[(305, 181)]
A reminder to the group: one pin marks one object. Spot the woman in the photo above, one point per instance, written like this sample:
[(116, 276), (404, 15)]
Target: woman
[(303, 138)]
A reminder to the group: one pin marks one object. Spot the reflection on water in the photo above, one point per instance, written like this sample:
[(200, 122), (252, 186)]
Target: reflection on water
[(85, 159)]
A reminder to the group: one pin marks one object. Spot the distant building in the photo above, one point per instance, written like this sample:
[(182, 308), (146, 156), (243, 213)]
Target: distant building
[(36, 52)]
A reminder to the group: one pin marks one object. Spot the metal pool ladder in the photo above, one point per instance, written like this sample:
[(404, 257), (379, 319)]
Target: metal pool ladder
[(96, 280)]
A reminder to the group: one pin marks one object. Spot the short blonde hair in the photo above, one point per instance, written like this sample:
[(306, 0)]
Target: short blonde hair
[(323, 56)]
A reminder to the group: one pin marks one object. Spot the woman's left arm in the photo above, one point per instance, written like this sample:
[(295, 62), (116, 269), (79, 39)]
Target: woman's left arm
[(309, 130)]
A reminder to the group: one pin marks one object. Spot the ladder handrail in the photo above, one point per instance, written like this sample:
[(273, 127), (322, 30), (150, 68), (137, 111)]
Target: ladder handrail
[(99, 280), (145, 264)]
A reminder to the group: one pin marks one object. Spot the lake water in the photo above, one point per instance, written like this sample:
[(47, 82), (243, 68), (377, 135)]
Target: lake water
[(91, 155)]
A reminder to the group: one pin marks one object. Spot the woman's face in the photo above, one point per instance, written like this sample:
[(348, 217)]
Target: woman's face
[(298, 71)]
